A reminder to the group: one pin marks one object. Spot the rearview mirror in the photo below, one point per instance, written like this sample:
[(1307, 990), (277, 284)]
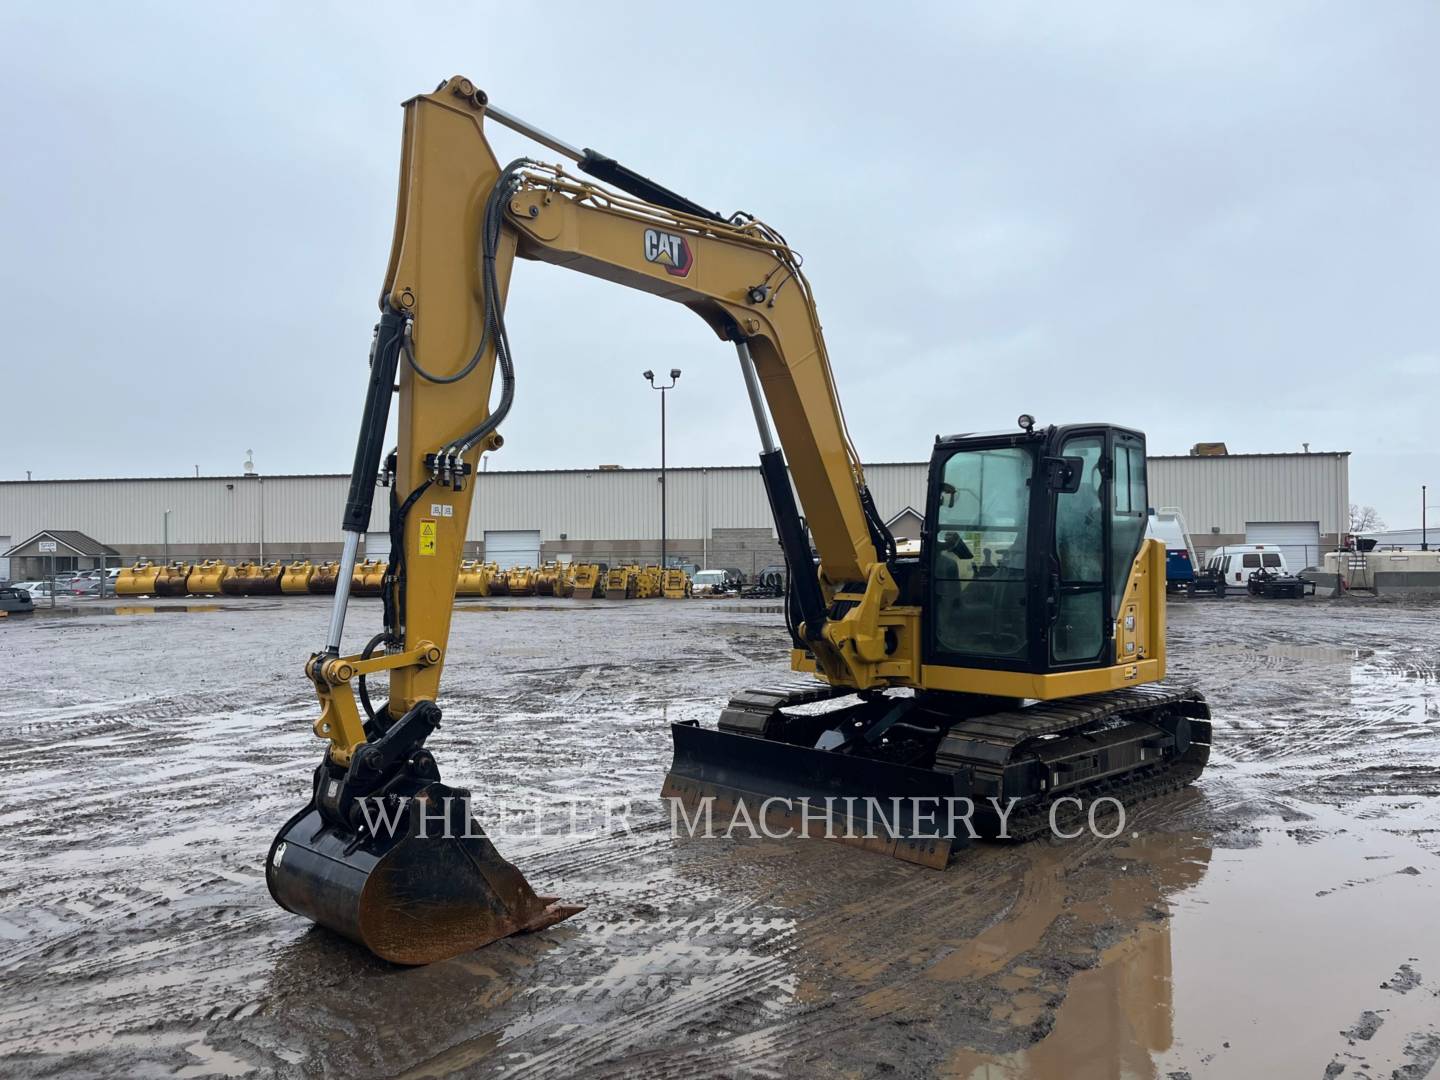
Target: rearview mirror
[(1062, 474)]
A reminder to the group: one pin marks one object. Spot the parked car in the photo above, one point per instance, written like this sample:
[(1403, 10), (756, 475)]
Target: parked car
[(15, 601), (83, 586), (38, 590)]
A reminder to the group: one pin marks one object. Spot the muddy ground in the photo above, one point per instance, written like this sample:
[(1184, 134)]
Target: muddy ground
[(1276, 920)]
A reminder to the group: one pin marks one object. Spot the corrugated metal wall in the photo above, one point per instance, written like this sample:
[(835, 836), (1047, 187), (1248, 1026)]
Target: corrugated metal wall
[(204, 510), (1224, 493), (609, 505)]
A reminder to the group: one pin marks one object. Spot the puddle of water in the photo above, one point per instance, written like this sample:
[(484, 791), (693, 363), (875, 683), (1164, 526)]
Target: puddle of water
[(484, 608), (1261, 966), (150, 609)]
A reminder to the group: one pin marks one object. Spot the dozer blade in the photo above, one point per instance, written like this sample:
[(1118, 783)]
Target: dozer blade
[(788, 790), (429, 889)]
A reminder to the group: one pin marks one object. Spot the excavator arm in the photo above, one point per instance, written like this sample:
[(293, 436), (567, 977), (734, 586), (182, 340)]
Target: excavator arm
[(461, 221)]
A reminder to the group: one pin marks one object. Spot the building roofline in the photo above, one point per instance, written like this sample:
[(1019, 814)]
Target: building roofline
[(592, 469), (58, 536), (1214, 457)]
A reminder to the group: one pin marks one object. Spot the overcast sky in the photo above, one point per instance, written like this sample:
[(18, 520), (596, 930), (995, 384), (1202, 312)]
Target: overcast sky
[(1210, 221)]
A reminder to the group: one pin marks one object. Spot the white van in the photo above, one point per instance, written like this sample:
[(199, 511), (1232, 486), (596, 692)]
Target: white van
[(1234, 563)]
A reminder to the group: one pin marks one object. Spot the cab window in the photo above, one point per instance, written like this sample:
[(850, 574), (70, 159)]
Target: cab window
[(1129, 515), (977, 565), (1078, 632), (1251, 560), (1270, 558)]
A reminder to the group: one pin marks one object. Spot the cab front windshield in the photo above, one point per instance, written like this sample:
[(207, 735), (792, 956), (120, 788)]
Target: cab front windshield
[(978, 568)]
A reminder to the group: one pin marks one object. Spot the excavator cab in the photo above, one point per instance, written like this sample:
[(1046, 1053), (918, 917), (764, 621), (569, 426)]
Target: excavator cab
[(1041, 638), (1030, 538)]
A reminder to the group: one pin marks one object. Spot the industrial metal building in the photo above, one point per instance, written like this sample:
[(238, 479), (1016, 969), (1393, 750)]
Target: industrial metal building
[(717, 516)]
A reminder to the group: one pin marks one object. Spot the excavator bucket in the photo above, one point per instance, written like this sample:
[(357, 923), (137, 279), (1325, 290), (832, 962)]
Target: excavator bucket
[(173, 580), (587, 581), (253, 579), (368, 578), (296, 578), (207, 578), (521, 580), (390, 857), (620, 583), (473, 579), (137, 580), (322, 581)]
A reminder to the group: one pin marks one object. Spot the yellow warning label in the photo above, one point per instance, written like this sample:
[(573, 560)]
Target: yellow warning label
[(427, 536)]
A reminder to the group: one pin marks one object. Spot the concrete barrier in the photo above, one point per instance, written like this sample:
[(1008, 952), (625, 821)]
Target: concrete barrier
[(1393, 573)]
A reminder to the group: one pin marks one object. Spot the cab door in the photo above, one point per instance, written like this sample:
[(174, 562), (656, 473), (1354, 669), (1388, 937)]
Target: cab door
[(1077, 555), (1098, 530)]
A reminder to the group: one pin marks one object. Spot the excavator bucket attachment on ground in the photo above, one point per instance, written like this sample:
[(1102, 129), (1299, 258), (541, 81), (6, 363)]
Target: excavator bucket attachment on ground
[(296, 578), (137, 580), (253, 579), (391, 857), (587, 581), (368, 578), (473, 579), (521, 581), (413, 897), (322, 581), (173, 580), (207, 578), (620, 583)]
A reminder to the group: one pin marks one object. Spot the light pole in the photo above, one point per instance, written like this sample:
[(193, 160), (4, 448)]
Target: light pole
[(260, 480), (674, 378)]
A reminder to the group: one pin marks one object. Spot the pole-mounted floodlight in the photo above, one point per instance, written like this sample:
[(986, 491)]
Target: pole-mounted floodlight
[(674, 378)]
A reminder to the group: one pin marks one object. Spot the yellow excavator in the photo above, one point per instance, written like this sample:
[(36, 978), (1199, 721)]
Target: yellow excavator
[(1011, 660)]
